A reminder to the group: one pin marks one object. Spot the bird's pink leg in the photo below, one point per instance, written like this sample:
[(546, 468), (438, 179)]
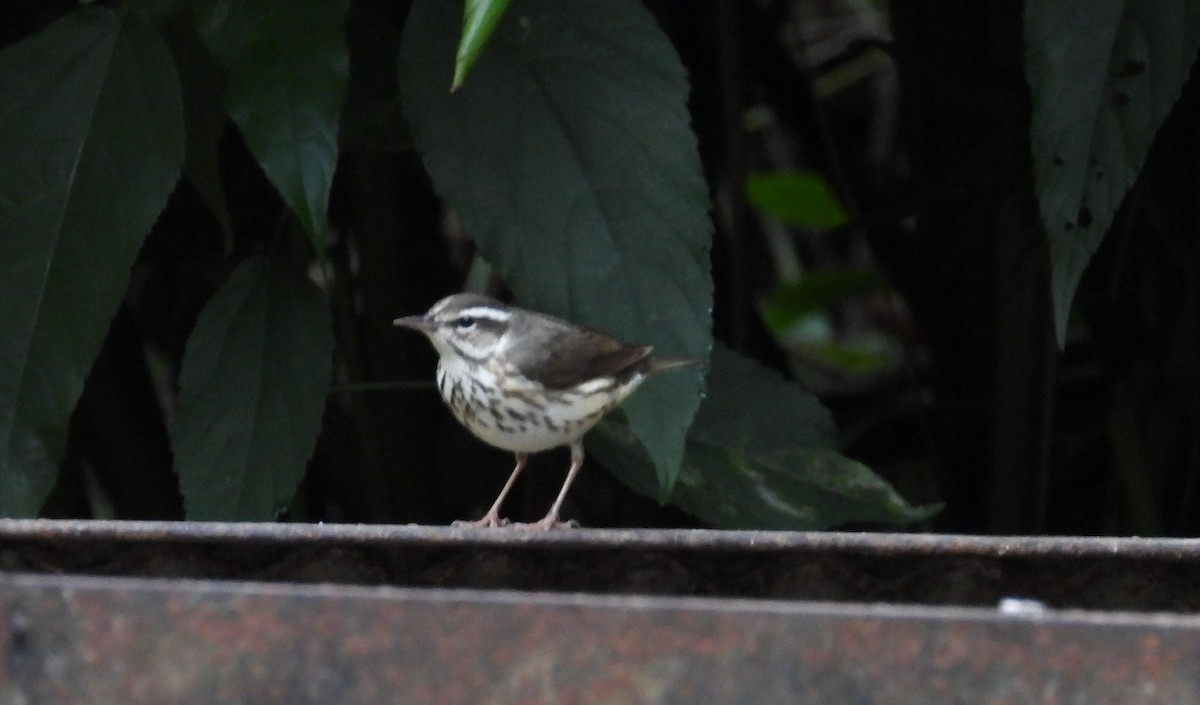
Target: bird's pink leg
[(551, 520), (492, 518)]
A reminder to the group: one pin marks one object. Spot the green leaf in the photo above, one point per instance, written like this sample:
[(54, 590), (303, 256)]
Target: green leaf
[(91, 129), (203, 85), (251, 392), (763, 455), (288, 67), (866, 356), (479, 20), (156, 13), (799, 199), (1103, 75), (817, 291), (371, 116), (570, 161)]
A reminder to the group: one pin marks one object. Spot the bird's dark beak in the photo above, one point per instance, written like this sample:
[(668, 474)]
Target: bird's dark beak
[(417, 323)]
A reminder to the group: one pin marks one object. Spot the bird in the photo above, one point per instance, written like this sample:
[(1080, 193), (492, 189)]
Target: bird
[(526, 382)]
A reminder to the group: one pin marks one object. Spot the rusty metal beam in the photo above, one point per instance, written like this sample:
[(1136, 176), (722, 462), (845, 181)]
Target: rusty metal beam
[(1094, 573), (119, 640), (12, 530)]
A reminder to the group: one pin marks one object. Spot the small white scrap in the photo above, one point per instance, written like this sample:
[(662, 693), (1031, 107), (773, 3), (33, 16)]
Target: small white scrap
[(1022, 606)]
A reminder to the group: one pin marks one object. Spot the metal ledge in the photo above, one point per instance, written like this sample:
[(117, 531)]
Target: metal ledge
[(1127, 574), (653, 539), (119, 640)]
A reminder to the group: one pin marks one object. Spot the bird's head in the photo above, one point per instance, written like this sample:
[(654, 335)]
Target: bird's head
[(470, 326)]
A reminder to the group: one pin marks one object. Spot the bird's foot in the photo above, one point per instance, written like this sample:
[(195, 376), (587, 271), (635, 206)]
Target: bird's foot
[(547, 523), (491, 520)]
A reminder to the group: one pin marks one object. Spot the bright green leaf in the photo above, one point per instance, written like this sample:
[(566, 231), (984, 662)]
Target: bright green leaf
[(479, 20), (1103, 75), (762, 454), (800, 199), (251, 392), (817, 291), (569, 158), (91, 132), (288, 67), (867, 356)]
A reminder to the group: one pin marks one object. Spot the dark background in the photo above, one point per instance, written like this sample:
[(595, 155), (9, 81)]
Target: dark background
[(928, 150)]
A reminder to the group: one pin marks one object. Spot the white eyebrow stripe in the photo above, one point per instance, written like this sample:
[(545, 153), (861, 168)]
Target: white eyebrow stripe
[(490, 314)]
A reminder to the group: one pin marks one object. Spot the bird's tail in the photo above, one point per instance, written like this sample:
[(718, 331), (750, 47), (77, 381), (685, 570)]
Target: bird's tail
[(655, 366)]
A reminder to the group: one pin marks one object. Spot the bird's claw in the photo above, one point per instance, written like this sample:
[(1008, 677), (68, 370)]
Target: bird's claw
[(548, 524), (489, 521)]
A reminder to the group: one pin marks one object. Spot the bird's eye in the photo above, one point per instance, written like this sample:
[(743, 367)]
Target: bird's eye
[(465, 323)]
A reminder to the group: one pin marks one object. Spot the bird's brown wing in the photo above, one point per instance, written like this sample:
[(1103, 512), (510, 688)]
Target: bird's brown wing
[(561, 355)]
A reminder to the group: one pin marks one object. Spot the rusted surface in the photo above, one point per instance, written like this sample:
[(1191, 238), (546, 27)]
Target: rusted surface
[(1093, 573), (95, 640)]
